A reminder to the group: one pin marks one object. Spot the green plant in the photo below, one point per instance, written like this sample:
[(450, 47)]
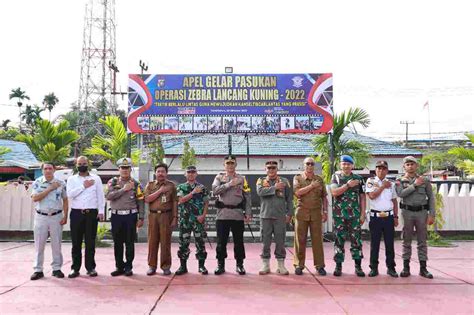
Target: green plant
[(189, 156), (102, 232), (434, 238)]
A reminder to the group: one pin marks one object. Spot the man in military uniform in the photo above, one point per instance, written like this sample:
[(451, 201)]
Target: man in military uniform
[(311, 211), (234, 207), (160, 194), (51, 206), (417, 200), (193, 200), (127, 207), (276, 210), (348, 214), (383, 218)]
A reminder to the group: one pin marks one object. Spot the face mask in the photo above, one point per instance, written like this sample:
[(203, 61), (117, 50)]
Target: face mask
[(82, 168)]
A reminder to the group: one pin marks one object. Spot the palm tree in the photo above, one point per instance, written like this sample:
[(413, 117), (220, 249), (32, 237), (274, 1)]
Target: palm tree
[(31, 115), (466, 156), (49, 102), (342, 144), (20, 96), (113, 144), (50, 142), (5, 123)]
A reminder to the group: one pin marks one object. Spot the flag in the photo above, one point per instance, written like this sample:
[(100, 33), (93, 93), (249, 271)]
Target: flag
[(426, 105)]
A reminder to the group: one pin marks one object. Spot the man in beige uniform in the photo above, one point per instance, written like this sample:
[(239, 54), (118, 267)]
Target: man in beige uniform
[(311, 211), (160, 194)]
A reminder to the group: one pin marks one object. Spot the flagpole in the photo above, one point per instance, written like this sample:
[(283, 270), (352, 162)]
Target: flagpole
[(431, 140)]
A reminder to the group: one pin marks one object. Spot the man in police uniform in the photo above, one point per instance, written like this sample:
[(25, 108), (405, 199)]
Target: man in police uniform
[(193, 200), (276, 210), (348, 214), (311, 212), (383, 218), (234, 206), (163, 217), (51, 206), (127, 207), (417, 200)]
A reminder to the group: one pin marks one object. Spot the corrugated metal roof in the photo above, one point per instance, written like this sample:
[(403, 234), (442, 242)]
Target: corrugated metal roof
[(265, 144), (20, 155)]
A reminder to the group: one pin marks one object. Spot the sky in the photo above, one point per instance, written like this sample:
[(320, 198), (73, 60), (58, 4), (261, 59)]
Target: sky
[(388, 57)]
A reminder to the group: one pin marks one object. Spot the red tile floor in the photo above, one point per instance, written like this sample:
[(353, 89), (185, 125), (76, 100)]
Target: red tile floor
[(450, 292)]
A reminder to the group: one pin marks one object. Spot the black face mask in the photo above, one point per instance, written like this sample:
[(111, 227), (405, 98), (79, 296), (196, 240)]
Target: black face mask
[(82, 168)]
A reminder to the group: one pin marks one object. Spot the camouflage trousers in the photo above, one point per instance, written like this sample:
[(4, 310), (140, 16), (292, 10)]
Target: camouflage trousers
[(186, 227), (344, 227)]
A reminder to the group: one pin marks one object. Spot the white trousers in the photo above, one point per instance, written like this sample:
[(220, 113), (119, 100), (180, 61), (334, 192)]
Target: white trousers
[(45, 225)]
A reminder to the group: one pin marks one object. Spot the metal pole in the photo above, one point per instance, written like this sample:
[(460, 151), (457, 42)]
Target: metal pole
[(248, 151), (230, 144)]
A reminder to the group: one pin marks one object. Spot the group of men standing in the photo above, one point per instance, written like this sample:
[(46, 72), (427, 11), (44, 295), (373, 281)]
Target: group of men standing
[(186, 206)]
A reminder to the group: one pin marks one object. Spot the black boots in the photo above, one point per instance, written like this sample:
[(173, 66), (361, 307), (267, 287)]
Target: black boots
[(374, 270), (358, 269), (424, 272), (406, 269), (338, 270), (220, 267), (202, 269), (240, 267), (182, 269)]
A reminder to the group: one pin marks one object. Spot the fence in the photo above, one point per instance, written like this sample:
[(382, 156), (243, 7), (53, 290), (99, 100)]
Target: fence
[(17, 209)]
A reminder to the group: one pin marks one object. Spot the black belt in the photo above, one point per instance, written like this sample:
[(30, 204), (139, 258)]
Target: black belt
[(49, 214), (160, 211), (220, 205), (84, 211), (413, 208)]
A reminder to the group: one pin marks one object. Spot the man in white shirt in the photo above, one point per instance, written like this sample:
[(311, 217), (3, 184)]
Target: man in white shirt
[(86, 197), (383, 218)]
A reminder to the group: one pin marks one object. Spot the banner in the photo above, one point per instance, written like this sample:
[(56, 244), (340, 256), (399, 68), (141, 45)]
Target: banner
[(230, 103)]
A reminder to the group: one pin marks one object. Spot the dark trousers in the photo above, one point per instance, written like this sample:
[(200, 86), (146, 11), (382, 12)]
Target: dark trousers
[(378, 227), (124, 232), (83, 226), (223, 228)]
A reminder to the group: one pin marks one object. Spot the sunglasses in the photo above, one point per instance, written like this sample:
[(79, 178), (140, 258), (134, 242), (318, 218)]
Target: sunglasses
[(271, 168), (310, 163), (190, 172), (124, 167), (230, 162)]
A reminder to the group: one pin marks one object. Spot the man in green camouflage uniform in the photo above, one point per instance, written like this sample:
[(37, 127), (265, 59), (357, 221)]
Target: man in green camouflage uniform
[(193, 199), (348, 214)]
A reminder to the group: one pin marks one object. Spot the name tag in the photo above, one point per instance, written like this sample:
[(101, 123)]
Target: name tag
[(163, 198)]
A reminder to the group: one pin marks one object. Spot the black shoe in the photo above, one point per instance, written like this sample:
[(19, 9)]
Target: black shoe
[(321, 271), (73, 274), (240, 269), (117, 272), (299, 271), (92, 273), (424, 272), (58, 274), (392, 273), (220, 267), (202, 269), (406, 269), (358, 269), (128, 272), (37, 275), (338, 271), (374, 272), (182, 269)]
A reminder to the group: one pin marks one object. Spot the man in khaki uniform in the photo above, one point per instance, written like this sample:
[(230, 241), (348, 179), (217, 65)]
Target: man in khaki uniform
[(160, 194), (311, 211), (418, 210)]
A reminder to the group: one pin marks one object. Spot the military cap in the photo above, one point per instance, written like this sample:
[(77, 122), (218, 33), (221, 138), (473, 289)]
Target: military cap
[(347, 158), (124, 162), (381, 163), (191, 168), (410, 158), (230, 157), (271, 162)]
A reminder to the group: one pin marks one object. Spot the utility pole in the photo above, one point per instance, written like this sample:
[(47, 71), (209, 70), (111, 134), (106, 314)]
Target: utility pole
[(406, 123)]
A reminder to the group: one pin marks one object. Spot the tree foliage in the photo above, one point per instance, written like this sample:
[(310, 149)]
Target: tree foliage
[(343, 145), (189, 156)]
